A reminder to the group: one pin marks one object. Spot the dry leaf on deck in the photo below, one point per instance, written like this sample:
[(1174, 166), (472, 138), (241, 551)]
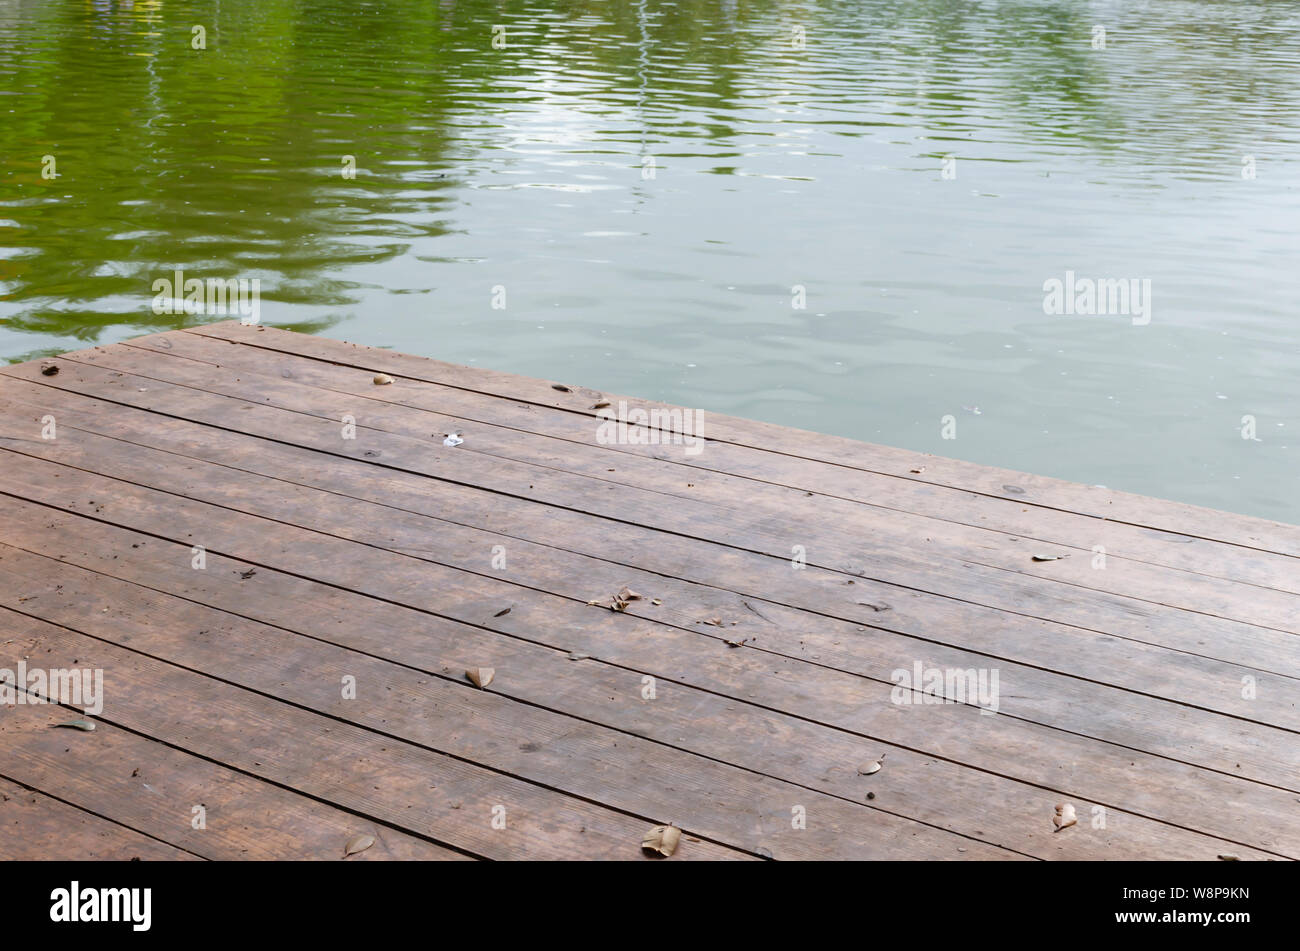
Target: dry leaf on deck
[(49, 369), (561, 387), (661, 840), (919, 469), (1049, 557), (1228, 857), (382, 379), (875, 605), (481, 676), (869, 768), (1064, 817), (358, 843), (618, 602), (601, 405), (502, 613)]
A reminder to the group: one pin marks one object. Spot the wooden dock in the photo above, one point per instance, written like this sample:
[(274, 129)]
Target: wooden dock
[(284, 573)]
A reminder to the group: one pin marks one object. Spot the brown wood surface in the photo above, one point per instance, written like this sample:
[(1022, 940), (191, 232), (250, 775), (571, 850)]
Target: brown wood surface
[(34, 826), (772, 531), (1141, 693), (831, 484), (363, 771), (834, 530), (1041, 491), (152, 788)]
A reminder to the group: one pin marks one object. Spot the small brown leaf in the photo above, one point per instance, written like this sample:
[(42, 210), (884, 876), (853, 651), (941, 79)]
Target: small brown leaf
[(618, 602), (661, 840), (1229, 857), (561, 387), (481, 676), (716, 622), (601, 405), (358, 843), (875, 605), (1064, 817), (83, 725), (502, 613), (919, 469), (737, 643), (49, 369), (656, 601), (1049, 557), (579, 656), (382, 379)]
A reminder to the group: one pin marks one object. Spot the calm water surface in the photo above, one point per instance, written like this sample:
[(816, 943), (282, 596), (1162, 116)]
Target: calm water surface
[(528, 167)]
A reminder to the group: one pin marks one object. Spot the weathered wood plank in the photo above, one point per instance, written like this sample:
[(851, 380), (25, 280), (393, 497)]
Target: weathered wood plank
[(387, 779), (34, 827), (972, 522), (1140, 692), (951, 795), (767, 532), (834, 642), (1152, 786), (1159, 514), (153, 788), (995, 567), (719, 801)]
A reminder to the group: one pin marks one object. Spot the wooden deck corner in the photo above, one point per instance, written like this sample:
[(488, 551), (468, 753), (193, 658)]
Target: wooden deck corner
[(284, 569)]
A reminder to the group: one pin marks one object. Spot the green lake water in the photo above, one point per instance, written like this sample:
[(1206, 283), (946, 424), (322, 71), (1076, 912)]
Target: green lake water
[(655, 186)]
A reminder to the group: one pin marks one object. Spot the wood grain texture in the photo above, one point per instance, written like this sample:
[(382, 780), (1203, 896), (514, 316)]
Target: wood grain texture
[(34, 827), (1142, 693), (1025, 488)]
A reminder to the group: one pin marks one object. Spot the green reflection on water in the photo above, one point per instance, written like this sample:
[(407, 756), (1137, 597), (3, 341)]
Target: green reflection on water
[(773, 167)]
